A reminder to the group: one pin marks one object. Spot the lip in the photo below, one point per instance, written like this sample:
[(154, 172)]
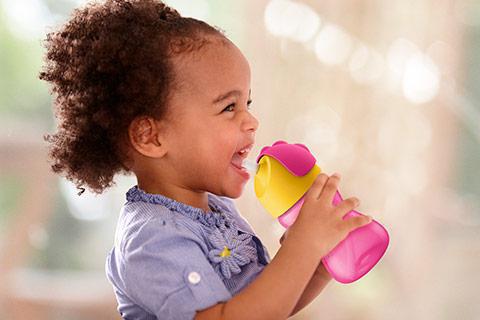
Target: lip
[(249, 146), (241, 172)]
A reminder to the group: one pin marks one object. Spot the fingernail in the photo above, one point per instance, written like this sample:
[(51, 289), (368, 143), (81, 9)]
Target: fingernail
[(336, 174)]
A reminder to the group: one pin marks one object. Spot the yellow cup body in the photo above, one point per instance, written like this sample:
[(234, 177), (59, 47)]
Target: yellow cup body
[(277, 189)]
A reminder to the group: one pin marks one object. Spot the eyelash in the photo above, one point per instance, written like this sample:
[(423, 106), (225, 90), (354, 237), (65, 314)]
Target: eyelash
[(233, 104)]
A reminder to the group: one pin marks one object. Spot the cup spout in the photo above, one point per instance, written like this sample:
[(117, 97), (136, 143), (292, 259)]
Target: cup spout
[(250, 165)]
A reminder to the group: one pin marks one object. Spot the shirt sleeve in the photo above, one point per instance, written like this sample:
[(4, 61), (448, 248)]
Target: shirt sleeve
[(167, 273)]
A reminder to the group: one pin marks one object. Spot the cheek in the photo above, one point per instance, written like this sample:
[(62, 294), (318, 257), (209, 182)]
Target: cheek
[(224, 146), (219, 139)]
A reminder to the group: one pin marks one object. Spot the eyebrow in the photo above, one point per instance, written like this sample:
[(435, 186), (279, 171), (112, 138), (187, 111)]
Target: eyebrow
[(224, 96)]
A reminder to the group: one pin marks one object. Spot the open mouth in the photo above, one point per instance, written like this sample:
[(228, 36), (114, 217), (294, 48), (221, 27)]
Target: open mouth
[(238, 159), (240, 156)]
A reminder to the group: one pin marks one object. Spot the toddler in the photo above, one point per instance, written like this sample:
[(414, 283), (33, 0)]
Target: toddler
[(140, 89)]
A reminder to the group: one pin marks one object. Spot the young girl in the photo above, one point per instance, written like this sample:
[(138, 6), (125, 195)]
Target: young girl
[(142, 90)]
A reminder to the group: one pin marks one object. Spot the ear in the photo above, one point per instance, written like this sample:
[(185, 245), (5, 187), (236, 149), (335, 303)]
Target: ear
[(146, 137)]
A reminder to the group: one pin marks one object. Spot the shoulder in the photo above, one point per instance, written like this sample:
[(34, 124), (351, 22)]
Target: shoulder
[(142, 222)]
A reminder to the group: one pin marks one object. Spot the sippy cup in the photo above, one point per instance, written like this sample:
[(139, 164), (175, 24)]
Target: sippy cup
[(284, 173)]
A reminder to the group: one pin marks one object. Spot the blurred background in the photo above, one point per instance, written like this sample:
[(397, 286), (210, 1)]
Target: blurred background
[(384, 92)]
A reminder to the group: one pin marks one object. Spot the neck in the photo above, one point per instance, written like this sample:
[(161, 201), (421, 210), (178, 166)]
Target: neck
[(194, 198)]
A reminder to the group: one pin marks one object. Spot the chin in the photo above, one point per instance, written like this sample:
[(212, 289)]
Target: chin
[(235, 195), (236, 192), (241, 190)]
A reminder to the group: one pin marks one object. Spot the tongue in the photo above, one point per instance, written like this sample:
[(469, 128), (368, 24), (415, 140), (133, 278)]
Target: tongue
[(237, 160)]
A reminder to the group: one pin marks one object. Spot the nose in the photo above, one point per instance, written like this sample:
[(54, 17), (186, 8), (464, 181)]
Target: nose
[(249, 122)]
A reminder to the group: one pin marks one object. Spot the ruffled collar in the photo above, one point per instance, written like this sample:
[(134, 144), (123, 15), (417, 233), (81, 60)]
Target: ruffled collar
[(213, 217), (230, 249)]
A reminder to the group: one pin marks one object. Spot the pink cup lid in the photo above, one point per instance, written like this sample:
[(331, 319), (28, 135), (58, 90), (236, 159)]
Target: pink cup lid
[(295, 157)]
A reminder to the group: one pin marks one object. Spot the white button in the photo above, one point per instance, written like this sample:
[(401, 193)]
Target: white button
[(194, 277)]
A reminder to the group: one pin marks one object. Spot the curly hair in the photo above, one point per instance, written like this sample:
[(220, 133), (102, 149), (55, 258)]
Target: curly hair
[(108, 64)]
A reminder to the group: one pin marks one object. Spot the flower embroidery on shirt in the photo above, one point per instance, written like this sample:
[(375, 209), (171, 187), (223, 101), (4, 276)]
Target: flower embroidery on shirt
[(231, 250)]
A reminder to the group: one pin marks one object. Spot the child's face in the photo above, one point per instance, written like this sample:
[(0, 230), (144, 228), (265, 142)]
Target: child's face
[(204, 136)]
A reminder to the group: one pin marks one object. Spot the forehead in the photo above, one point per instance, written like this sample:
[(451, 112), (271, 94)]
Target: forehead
[(216, 68)]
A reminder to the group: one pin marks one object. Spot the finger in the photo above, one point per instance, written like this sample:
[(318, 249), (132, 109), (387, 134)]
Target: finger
[(356, 222), (317, 186), (347, 205), (330, 188), (281, 239), (284, 236)]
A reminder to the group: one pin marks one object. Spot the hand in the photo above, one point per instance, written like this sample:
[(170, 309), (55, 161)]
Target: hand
[(320, 224)]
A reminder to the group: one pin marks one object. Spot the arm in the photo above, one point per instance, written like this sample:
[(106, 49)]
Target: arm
[(318, 281), (283, 276), (277, 290)]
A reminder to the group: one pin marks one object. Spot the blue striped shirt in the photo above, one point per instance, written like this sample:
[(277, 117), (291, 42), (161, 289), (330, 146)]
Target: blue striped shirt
[(170, 259)]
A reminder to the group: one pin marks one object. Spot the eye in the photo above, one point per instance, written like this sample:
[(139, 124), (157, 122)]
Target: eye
[(230, 105), (249, 102)]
